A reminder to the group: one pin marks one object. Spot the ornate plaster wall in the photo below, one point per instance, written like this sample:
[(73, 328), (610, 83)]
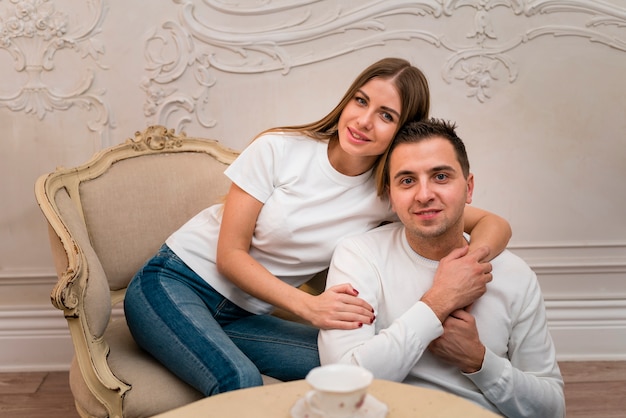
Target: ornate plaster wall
[(536, 86)]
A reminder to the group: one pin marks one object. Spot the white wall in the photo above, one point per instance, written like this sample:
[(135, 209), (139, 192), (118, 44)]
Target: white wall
[(537, 88)]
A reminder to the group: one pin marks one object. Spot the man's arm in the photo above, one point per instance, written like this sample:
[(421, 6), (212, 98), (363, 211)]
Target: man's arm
[(390, 347), (460, 343), (392, 283), (528, 383), (458, 284)]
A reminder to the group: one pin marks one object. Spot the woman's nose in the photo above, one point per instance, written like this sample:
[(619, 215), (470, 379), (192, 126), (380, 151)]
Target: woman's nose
[(365, 120)]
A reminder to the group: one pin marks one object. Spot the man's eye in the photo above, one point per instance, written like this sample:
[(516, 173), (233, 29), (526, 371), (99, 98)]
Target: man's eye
[(406, 181), (441, 177)]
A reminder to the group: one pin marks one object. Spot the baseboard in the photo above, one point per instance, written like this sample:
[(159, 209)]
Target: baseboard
[(588, 330), (34, 339)]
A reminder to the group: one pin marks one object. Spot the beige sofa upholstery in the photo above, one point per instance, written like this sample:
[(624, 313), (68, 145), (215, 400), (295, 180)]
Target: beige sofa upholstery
[(106, 218)]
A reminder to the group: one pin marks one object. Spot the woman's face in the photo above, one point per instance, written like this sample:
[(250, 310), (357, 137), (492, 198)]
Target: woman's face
[(370, 120)]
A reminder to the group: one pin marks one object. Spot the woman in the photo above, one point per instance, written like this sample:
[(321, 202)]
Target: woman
[(201, 305)]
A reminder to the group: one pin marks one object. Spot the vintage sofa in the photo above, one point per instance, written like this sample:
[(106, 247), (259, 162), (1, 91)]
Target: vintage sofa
[(106, 218)]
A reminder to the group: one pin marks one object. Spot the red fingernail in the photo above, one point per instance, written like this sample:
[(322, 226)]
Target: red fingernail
[(360, 324), (356, 292)]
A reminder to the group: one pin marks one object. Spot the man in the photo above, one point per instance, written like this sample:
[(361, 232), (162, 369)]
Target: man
[(477, 333)]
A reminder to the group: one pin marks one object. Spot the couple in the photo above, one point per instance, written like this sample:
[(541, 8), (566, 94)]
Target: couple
[(201, 305)]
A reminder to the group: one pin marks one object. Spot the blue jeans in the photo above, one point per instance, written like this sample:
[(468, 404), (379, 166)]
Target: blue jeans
[(205, 339)]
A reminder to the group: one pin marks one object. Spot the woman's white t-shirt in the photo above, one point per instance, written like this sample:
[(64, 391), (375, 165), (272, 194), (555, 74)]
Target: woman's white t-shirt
[(308, 207)]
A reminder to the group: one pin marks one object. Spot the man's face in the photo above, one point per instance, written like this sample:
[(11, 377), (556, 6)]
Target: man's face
[(427, 188)]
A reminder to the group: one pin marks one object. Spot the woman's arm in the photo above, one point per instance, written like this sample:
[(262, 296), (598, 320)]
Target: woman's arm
[(487, 230), (335, 308)]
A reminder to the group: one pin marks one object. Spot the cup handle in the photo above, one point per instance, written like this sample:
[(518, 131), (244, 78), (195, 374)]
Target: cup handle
[(310, 401)]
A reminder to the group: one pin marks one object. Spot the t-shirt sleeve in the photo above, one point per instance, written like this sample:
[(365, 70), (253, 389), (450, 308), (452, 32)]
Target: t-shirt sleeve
[(254, 169)]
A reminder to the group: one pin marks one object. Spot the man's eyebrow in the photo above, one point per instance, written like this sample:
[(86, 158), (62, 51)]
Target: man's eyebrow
[(444, 167), (435, 169), (403, 173)]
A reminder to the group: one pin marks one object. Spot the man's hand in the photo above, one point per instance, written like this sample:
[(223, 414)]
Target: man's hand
[(461, 278), (460, 344)]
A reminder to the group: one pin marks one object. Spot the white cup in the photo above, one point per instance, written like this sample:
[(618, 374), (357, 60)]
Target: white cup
[(339, 390)]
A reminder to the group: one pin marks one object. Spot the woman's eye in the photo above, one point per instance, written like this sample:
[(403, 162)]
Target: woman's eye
[(406, 181), (360, 100), (387, 116)]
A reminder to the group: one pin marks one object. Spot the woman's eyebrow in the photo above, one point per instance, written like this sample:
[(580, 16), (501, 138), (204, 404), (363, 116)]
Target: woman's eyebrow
[(363, 93), (390, 110)]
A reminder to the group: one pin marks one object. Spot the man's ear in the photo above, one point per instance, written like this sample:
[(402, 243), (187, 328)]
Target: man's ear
[(470, 188)]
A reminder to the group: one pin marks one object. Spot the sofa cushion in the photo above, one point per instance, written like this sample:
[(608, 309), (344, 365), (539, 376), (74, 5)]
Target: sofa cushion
[(138, 202)]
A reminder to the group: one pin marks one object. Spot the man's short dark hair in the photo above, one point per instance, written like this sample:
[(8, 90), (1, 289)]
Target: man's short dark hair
[(414, 132)]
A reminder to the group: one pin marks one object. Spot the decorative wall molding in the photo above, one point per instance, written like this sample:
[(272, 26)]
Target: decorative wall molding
[(32, 32), (24, 330), (302, 32), (582, 330), (603, 257), (27, 277), (588, 330), (610, 255), (587, 323), (606, 313), (557, 258)]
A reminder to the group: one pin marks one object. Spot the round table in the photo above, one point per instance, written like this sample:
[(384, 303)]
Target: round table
[(276, 401)]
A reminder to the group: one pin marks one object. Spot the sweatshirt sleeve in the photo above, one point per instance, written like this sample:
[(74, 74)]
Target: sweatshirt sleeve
[(389, 351), (528, 383)]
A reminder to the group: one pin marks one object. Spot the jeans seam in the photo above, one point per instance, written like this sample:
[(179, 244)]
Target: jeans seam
[(271, 340)]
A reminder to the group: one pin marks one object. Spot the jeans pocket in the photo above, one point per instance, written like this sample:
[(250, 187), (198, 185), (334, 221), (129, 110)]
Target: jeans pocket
[(227, 312), (164, 251)]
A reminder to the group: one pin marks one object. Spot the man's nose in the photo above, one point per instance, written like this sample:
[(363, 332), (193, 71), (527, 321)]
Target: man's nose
[(423, 192)]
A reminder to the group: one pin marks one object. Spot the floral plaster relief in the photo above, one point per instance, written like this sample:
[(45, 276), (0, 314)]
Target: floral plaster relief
[(229, 36), (32, 32)]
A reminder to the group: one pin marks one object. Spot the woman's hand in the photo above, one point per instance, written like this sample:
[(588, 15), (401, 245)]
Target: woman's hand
[(486, 229), (461, 278), (336, 308), (339, 307)]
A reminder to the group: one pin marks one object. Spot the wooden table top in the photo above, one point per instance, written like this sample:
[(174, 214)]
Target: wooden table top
[(276, 401)]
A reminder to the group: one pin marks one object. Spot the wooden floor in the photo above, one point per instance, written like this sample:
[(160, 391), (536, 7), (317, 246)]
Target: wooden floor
[(592, 390)]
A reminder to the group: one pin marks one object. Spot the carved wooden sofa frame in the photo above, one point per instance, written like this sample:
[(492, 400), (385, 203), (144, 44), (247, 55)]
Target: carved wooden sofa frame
[(106, 218)]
